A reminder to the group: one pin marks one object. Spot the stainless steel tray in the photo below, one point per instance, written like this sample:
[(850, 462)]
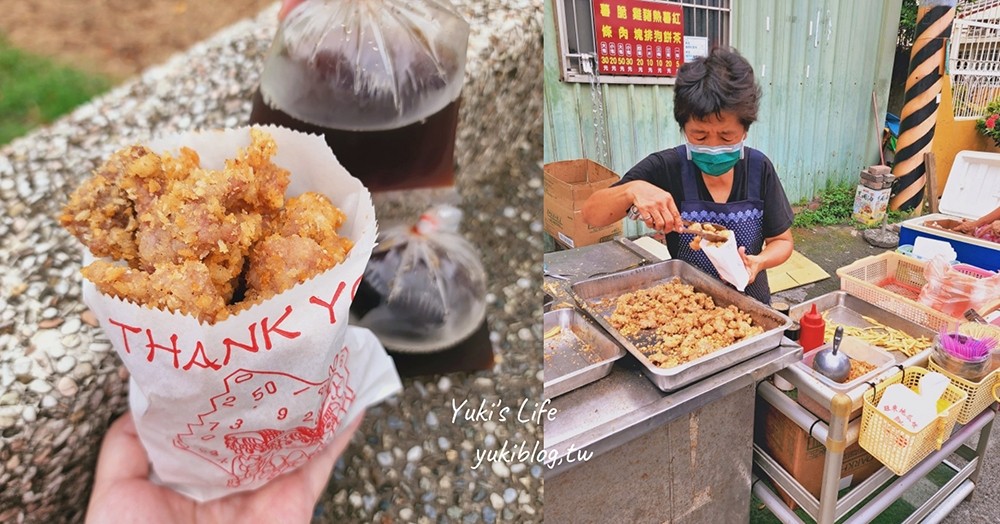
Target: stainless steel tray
[(580, 354), (592, 292), (848, 310)]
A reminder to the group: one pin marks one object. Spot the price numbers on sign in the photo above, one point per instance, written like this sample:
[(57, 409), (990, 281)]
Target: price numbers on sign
[(638, 37)]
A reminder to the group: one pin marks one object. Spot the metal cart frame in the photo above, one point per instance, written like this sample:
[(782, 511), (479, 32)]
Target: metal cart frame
[(838, 435)]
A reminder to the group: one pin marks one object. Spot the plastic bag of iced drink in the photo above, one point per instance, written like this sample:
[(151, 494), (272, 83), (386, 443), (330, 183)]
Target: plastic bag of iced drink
[(380, 79), (424, 288)]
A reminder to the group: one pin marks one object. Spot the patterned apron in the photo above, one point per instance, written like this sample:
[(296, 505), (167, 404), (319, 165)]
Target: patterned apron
[(745, 218)]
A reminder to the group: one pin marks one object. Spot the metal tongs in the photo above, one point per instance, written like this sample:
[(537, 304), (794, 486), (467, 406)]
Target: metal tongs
[(973, 316), (633, 214), (709, 236)]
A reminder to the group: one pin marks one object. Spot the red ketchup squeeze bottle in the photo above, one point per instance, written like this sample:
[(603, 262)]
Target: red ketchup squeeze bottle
[(813, 329)]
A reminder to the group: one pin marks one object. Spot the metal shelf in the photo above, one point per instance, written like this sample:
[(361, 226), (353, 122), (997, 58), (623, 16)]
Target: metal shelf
[(829, 507)]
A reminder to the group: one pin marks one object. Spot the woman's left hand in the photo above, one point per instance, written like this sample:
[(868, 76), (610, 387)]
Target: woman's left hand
[(752, 262)]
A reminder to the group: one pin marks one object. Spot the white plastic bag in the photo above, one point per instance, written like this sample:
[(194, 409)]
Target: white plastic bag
[(952, 291)]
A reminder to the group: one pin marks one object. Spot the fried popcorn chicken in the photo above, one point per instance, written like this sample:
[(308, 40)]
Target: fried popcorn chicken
[(183, 288), (225, 269), (265, 192), (695, 243), (215, 236), (278, 263), (192, 218), (101, 213), (678, 323), (312, 215)]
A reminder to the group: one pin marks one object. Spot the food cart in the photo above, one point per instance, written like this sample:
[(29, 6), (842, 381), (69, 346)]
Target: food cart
[(641, 446), (622, 446), (843, 428)]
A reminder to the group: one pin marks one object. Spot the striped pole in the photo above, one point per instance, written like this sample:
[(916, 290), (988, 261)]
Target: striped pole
[(920, 102)]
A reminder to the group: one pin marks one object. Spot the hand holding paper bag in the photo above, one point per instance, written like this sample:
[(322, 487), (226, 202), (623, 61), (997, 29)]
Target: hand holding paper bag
[(123, 493), (728, 261), (229, 406)]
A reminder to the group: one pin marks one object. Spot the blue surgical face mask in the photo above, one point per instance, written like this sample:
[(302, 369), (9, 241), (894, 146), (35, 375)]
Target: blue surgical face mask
[(714, 160)]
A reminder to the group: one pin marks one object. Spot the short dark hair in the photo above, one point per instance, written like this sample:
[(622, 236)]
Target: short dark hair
[(721, 81)]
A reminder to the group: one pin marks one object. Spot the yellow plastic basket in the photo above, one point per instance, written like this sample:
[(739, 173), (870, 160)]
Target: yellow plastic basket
[(892, 282), (895, 446), (979, 394)]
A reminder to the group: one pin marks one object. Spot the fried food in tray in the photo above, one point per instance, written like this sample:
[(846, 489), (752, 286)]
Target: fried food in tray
[(859, 369), (673, 324), (202, 242)]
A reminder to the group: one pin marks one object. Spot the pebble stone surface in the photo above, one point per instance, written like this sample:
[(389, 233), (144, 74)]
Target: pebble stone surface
[(412, 461)]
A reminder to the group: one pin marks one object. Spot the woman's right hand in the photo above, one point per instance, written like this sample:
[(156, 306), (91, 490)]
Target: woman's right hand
[(656, 208), (968, 226)]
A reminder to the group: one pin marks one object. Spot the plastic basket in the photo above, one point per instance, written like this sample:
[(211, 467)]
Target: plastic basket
[(892, 282), (979, 394), (972, 270), (892, 444)]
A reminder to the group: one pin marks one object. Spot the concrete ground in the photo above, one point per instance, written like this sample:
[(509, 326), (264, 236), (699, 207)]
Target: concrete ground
[(835, 247)]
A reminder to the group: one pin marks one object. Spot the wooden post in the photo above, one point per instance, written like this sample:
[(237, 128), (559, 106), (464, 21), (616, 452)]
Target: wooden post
[(931, 169)]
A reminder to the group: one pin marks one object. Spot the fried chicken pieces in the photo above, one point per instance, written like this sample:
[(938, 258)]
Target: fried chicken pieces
[(201, 242), (677, 324), (707, 227)]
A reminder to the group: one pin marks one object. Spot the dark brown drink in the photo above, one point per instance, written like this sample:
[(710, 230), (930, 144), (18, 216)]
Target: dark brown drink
[(415, 156)]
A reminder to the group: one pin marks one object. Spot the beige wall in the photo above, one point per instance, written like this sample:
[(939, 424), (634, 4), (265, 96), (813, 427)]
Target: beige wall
[(952, 136)]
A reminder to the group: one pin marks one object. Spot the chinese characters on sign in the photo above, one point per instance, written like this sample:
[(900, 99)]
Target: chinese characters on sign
[(638, 37)]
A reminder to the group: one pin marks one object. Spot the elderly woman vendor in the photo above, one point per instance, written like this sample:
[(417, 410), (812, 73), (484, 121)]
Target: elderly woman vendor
[(712, 177)]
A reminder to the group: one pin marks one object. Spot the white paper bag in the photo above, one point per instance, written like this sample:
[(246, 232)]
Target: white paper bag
[(727, 261), (227, 407)]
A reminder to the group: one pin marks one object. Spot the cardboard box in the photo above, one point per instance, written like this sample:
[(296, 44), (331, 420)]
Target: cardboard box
[(870, 205), (568, 184), (571, 182), (567, 227), (821, 411), (803, 456)]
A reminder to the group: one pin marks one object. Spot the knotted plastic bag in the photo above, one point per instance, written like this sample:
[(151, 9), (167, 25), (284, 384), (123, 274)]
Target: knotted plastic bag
[(427, 282), (366, 65)]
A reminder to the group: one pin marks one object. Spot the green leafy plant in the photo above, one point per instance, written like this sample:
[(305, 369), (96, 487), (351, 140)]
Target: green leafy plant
[(835, 205), (35, 91), (907, 24), (989, 124)]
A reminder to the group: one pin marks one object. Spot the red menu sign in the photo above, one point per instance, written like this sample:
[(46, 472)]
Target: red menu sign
[(638, 37)]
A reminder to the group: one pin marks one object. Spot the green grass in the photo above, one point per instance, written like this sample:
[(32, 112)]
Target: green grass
[(835, 206), (35, 91), (836, 203)]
